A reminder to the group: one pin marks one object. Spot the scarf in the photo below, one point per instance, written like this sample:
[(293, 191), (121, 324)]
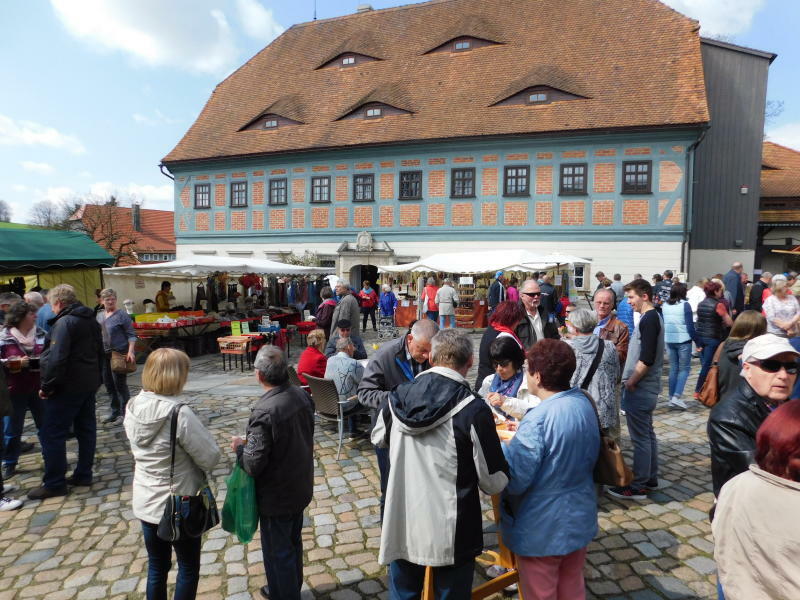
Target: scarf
[(508, 388), (26, 341), (508, 330)]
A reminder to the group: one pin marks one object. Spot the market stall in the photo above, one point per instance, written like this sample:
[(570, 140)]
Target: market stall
[(31, 257), (471, 273)]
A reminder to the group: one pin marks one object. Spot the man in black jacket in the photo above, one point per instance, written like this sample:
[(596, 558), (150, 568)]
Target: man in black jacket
[(769, 369), (394, 363), (538, 324), (279, 455), (757, 291), (70, 376)]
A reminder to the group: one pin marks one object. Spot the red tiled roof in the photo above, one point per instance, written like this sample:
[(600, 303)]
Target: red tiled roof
[(780, 171), (637, 62)]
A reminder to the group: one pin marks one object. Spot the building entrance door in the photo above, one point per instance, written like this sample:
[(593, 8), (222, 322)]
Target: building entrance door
[(361, 273)]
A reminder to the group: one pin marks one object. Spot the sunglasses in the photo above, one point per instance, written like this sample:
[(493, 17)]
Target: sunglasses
[(773, 366), (532, 294)]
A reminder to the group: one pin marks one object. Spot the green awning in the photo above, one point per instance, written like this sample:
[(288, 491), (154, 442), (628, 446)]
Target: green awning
[(40, 249)]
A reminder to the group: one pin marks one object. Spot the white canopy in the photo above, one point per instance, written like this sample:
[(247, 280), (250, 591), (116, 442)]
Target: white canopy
[(200, 265), (487, 261)]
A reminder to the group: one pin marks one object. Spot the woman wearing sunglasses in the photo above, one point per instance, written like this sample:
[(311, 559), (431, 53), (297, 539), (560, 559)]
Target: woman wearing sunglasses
[(769, 371), (507, 388)]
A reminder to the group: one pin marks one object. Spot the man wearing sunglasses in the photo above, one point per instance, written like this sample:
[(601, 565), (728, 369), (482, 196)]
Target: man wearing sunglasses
[(769, 371), (538, 324)]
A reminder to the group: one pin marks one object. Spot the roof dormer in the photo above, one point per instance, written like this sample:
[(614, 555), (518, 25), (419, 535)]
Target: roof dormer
[(374, 110), (463, 43), (544, 84), (347, 59), (270, 121), (539, 94), (288, 110), (390, 99)]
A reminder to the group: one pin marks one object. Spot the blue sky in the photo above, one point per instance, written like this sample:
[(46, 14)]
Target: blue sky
[(97, 91)]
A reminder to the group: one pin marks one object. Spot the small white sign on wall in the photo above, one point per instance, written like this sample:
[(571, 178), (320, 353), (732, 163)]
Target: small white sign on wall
[(465, 281)]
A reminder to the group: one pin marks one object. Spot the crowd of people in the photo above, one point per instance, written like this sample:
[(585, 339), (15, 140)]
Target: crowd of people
[(559, 376)]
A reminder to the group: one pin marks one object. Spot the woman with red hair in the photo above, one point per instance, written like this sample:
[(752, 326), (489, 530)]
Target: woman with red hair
[(756, 529), (502, 322)]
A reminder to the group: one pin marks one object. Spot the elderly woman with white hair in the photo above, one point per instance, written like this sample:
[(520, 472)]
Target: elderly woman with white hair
[(597, 368), (447, 299), (387, 302)]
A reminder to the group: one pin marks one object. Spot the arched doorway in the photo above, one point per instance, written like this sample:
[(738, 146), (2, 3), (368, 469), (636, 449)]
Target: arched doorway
[(361, 273)]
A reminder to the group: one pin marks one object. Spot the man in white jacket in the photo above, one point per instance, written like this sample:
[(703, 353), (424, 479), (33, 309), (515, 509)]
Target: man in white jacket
[(443, 448)]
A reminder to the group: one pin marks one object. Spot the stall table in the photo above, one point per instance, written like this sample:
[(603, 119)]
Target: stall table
[(405, 315)]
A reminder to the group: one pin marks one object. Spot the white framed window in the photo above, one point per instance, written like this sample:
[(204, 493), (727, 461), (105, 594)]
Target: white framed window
[(165, 257), (348, 60), (145, 257), (463, 45), (270, 123), (537, 97), (374, 113)]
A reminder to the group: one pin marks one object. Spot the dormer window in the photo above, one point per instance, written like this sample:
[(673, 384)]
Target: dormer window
[(271, 124), (462, 45), (270, 121), (373, 113), (369, 108), (537, 98), (538, 94), (348, 60)]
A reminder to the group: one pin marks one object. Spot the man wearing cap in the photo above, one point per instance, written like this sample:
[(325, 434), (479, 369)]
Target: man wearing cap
[(344, 329), (497, 291), (769, 371)]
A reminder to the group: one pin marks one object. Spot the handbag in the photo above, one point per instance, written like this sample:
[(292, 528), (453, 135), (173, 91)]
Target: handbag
[(709, 393), (185, 516), (119, 364), (610, 468)]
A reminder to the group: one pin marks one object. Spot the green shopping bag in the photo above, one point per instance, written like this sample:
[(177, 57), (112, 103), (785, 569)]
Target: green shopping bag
[(240, 511)]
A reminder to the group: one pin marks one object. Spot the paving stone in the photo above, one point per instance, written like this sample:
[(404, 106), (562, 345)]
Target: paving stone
[(672, 588), (703, 565), (36, 556), (662, 539), (648, 549)]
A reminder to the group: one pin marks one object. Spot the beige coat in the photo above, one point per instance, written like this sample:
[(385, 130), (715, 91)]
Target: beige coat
[(147, 425), (757, 537), (444, 298)]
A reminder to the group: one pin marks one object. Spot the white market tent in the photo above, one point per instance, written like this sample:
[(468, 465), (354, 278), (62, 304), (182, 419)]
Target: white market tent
[(487, 261), (141, 281)]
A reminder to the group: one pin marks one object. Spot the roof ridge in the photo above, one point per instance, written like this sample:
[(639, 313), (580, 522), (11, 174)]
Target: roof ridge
[(795, 150), (371, 12)]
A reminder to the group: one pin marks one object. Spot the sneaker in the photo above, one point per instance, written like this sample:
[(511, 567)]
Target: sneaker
[(264, 589), (496, 571), (678, 403), (622, 412), (110, 418), (25, 447), (118, 421), (42, 493), (9, 487), (655, 484), (78, 482), (627, 493), (7, 503), (9, 471)]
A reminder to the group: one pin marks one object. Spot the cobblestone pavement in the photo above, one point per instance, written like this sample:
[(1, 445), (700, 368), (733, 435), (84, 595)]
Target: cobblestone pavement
[(88, 544)]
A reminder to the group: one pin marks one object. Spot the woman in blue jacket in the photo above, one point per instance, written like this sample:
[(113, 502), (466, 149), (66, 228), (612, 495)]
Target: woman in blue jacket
[(549, 509)]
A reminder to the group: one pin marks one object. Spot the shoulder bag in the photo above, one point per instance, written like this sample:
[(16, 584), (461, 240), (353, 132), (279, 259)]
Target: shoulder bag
[(610, 468), (120, 364), (709, 393), (185, 516)]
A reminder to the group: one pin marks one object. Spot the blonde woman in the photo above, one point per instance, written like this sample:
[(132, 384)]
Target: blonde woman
[(147, 425), (313, 360), (781, 309)]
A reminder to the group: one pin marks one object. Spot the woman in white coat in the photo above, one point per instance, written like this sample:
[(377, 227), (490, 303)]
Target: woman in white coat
[(147, 425)]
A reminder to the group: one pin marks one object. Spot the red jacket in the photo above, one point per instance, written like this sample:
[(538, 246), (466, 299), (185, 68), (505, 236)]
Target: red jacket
[(368, 298), (313, 362)]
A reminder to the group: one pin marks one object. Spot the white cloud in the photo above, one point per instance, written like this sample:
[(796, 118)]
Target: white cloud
[(158, 118), (787, 134), (57, 193), (85, 174), (151, 196), (29, 133), (193, 35), (18, 187), (257, 21), (37, 167), (719, 17)]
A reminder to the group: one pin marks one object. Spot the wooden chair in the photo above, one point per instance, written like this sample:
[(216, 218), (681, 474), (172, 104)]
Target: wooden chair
[(327, 404)]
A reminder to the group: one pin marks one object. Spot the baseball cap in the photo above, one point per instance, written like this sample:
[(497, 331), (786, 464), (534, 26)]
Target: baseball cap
[(766, 346), (498, 274)]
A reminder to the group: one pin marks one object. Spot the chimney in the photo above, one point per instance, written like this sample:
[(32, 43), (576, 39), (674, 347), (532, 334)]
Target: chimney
[(137, 217), (362, 8)]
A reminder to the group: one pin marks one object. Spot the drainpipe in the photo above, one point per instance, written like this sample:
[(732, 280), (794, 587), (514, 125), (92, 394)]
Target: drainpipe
[(164, 173), (689, 198)]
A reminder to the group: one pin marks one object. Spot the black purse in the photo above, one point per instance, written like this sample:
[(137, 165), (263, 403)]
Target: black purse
[(185, 516)]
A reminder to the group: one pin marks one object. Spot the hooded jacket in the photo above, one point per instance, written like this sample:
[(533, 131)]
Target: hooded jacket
[(74, 352), (147, 425), (732, 428), (443, 448), (756, 533), (388, 368), (730, 367)]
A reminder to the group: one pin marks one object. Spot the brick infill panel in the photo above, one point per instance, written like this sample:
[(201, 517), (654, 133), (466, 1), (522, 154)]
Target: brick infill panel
[(258, 192), (277, 218), (319, 217), (363, 166), (489, 181), (490, 158), (202, 178), (387, 216), (340, 217), (489, 214), (298, 218), (278, 172), (436, 215), (219, 194), (461, 214), (635, 212), (258, 173), (341, 193), (605, 152), (603, 212), (463, 159), (573, 212), (544, 155), (605, 175), (362, 216), (185, 196), (258, 219), (544, 213), (387, 164), (670, 175), (639, 151), (544, 179), (410, 215), (238, 220), (320, 168), (201, 222), (437, 161), (219, 221), (298, 190), (517, 156), (436, 181), (413, 162), (573, 154), (515, 214)]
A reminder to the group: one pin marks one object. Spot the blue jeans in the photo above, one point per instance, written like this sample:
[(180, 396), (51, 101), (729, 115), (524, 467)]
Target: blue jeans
[(639, 406), (450, 583), (61, 411), (159, 562), (433, 315), (382, 454), (444, 318), (680, 359), (282, 549), (117, 387), (707, 357), (15, 422)]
